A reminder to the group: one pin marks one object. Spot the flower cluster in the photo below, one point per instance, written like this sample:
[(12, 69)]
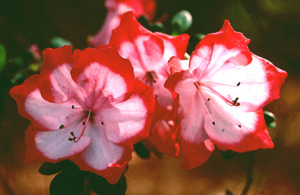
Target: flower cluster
[(91, 106)]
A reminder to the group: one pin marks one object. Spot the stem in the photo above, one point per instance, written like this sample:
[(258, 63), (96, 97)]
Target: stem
[(249, 174)]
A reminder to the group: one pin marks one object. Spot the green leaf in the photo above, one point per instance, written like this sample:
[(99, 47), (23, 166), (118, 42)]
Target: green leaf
[(2, 58), (199, 36), (100, 185), (270, 119), (141, 150), (155, 27), (59, 42), (49, 168), (67, 183), (181, 22), (228, 154)]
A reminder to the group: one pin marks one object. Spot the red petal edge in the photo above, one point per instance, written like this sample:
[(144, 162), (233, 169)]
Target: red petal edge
[(52, 58), (113, 173)]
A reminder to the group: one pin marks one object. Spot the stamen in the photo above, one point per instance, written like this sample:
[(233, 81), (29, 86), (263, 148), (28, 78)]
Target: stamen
[(85, 125), (230, 103), (222, 84), (102, 123), (205, 107), (73, 136), (213, 123), (61, 126), (150, 77), (76, 108), (240, 126), (73, 119), (197, 84), (235, 102), (208, 99)]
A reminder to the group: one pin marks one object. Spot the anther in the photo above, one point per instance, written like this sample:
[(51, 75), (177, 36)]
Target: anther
[(235, 102), (61, 126), (102, 123), (240, 126), (223, 130), (213, 123), (73, 136), (238, 84), (208, 99), (83, 123), (71, 139), (73, 106)]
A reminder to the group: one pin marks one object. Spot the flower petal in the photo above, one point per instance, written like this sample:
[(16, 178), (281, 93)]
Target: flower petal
[(177, 65), (132, 41), (195, 154), (102, 153), (179, 43), (55, 83), (141, 7), (254, 85), (163, 138), (195, 144), (130, 121), (216, 48), (52, 146), (147, 51), (103, 74), (115, 10), (42, 114), (231, 128)]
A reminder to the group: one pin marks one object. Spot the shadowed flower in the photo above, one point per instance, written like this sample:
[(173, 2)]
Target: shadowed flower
[(149, 54), (222, 91), (115, 9), (87, 107)]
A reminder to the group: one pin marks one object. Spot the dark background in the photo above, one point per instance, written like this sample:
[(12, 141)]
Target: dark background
[(273, 27)]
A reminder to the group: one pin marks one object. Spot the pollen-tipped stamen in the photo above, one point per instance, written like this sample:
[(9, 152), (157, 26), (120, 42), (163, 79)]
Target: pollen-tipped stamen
[(73, 119), (84, 123), (230, 103)]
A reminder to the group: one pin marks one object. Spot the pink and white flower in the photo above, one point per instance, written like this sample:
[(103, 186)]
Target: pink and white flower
[(222, 91), (149, 54), (87, 107), (116, 8)]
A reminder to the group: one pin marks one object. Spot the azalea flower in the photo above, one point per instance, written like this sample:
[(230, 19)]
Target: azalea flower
[(86, 107), (116, 8), (149, 54), (221, 92)]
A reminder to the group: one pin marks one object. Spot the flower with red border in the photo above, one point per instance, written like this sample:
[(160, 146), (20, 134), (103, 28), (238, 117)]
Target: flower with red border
[(221, 92), (87, 107), (149, 54)]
